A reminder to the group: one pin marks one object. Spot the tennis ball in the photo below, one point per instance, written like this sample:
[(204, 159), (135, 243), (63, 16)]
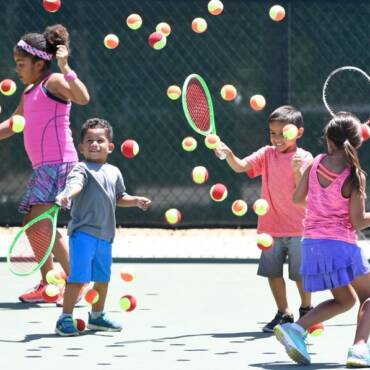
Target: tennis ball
[(17, 123), (257, 102), (127, 303), (212, 141), (277, 13), (172, 216), (50, 293), (290, 131), (264, 241), (260, 207), (239, 207), (164, 28), (199, 175), (215, 7), (189, 144), (199, 25), (316, 329), (157, 40), (174, 92), (8, 87), (128, 275), (79, 324), (218, 192), (134, 21), (51, 5), (365, 130), (228, 92), (92, 296), (130, 148), (111, 41), (56, 277)]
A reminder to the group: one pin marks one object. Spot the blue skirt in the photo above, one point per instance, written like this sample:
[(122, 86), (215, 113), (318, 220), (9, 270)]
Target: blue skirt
[(328, 264)]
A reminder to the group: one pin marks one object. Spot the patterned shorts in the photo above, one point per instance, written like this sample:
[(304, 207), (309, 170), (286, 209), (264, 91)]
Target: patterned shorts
[(45, 183)]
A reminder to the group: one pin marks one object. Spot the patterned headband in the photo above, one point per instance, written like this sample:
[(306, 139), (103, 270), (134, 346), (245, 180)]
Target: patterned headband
[(33, 51)]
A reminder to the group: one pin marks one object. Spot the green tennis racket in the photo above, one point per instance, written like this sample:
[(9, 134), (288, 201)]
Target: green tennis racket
[(33, 244), (198, 107)]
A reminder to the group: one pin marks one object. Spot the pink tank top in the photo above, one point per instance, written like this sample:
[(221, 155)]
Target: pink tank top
[(47, 136), (327, 212)]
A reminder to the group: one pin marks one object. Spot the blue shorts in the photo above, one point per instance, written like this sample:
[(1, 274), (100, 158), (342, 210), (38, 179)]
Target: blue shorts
[(90, 258)]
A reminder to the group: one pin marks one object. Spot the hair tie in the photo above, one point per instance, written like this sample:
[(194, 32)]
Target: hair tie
[(34, 51)]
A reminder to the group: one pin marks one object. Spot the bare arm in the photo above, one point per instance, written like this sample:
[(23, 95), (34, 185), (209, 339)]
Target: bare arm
[(5, 130), (237, 164), (134, 201), (360, 219), (68, 193), (300, 193)]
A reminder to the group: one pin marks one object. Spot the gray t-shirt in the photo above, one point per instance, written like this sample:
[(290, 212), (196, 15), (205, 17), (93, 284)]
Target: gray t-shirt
[(93, 209)]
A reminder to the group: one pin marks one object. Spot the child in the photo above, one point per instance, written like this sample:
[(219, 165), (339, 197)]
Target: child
[(280, 166), (331, 260), (96, 188), (46, 104)]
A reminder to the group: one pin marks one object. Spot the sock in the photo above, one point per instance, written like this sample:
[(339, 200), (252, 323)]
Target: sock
[(298, 328), (63, 315), (96, 314)]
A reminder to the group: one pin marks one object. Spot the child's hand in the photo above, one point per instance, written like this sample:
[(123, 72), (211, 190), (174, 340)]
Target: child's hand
[(143, 203), (222, 151), (62, 56), (62, 200), (298, 162)]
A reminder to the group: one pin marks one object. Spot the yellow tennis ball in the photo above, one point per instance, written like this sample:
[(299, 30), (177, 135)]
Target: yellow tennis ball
[(111, 41), (257, 102), (164, 28), (17, 123), (290, 131), (92, 296), (228, 92), (127, 303), (157, 40), (261, 207), (134, 21), (174, 92), (212, 141), (264, 241), (199, 25), (215, 7), (277, 13), (189, 144), (56, 277), (172, 216), (8, 87), (239, 207), (199, 174)]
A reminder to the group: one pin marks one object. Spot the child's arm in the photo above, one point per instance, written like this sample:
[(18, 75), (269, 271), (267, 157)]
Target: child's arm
[(360, 219), (301, 190), (70, 191), (134, 201), (237, 164), (5, 130)]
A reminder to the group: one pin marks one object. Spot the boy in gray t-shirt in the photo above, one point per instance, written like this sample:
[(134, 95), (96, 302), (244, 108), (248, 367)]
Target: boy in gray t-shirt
[(96, 188)]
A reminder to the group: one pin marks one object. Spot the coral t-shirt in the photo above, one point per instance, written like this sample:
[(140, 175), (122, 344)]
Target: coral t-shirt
[(284, 218)]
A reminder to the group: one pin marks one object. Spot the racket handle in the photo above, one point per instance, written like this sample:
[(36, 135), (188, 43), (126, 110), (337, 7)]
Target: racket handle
[(221, 155)]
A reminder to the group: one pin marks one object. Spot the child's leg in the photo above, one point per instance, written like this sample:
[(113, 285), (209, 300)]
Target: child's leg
[(70, 297), (60, 252), (305, 296), (278, 289), (102, 289)]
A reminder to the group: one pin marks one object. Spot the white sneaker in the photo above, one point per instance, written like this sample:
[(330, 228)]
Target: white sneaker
[(358, 356)]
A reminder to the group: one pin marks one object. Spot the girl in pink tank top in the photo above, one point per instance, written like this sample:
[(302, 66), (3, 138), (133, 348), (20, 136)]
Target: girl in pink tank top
[(333, 190), (46, 105)]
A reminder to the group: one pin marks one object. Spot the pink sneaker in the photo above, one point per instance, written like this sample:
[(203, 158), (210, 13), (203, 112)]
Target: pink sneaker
[(34, 295)]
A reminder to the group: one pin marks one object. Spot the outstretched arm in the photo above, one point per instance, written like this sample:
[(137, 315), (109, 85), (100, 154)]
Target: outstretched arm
[(237, 164), (300, 193), (134, 201), (70, 191), (5, 130)]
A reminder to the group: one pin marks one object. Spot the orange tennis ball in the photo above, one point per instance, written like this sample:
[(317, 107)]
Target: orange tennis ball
[(127, 303), (199, 25), (228, 92), (290, 131), (260, 207), (111, 41), (212, 141), (128, 275), (199, 174), (174, 92), (79, 324), (157, 40), (365, 130), (51, 6), (172, 216), (257, 102), (215, 7), (92, 296), (218, 192), (316, 329), (50, 293), (189, 144), (134, 21), (239, 207), (277, 13), (8, 87), (164, 28), (264, 241), (130, 148)]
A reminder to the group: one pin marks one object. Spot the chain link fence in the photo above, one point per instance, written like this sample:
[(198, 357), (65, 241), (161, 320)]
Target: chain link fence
[(287, 62)]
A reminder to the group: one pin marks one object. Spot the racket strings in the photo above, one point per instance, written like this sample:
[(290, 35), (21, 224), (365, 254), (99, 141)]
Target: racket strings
[(198, 106)]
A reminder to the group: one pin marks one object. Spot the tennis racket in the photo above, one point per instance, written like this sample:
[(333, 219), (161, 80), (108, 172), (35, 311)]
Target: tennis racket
[(345, 91), (198, 107), (33, 243)]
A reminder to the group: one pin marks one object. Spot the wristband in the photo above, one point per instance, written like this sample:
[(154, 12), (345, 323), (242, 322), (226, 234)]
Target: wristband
[(70, 76)]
